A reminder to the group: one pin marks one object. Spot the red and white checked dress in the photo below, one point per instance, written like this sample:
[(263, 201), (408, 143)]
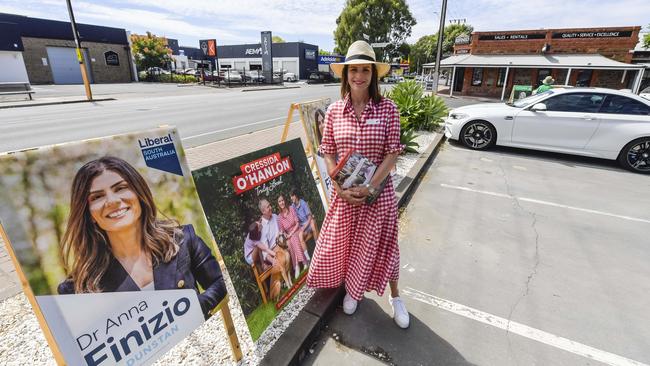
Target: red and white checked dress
[(287, 223), (357, 245)]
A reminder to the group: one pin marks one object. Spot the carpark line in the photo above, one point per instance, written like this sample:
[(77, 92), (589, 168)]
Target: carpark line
[(531, 200), (522, 330), (235, 127)]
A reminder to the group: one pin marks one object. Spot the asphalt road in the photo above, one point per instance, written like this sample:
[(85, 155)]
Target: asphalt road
[(202, 114), (515, 257)]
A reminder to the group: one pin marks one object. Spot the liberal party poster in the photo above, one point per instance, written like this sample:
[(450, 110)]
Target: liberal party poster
[(111, 237), (313, 117), (265, 211)]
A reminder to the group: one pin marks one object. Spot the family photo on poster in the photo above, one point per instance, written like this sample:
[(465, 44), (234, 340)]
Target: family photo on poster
[(112, 239), (265, 212)]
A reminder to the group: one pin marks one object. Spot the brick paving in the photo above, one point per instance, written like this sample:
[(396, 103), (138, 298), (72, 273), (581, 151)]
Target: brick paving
[(197, 157)]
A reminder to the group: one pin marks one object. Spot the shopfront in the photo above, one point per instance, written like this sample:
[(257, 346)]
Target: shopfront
[(489, 64), (295, 57)]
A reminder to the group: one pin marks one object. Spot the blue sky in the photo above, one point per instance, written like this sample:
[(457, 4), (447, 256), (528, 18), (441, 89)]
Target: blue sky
[(235, 22)]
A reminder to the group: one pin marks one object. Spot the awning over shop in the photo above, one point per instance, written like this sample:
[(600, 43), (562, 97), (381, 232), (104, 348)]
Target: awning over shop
[(552, 61), (575, 61)]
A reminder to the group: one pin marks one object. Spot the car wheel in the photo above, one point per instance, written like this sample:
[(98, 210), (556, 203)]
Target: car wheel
[(478, 135), (635, 156)]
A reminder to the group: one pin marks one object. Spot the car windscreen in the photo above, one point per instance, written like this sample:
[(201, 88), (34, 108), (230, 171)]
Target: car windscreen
[(532, 99)]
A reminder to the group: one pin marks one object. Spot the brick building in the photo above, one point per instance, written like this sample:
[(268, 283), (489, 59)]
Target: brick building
[(44, 52), (490, 63)]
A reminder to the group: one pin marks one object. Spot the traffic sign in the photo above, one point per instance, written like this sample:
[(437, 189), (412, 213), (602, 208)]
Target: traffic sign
[(379, 44)]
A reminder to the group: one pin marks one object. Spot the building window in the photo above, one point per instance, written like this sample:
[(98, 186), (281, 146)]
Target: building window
[(584, 78), (477, 76), (501, 77)]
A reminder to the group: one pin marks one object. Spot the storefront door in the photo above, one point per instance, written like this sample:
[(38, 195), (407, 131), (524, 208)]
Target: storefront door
[(458, 79)]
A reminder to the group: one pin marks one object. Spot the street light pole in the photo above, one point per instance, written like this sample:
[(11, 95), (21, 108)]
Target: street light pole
[(82, 63), (441, 32)]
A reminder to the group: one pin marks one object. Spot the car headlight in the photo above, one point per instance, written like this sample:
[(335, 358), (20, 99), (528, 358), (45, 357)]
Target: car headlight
[(457, 115)]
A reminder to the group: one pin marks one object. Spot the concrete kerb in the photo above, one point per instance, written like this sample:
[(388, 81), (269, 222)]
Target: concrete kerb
[(29, 104), (294, 344), (271, 88)]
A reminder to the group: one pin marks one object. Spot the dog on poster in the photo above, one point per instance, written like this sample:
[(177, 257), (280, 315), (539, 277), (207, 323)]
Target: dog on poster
[(281, 267)]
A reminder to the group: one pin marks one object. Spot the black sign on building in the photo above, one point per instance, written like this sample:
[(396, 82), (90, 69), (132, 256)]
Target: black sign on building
[(112, 58), (572, 35), (511, 37), (267, 56)]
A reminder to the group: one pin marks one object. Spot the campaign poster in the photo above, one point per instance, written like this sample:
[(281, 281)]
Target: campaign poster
[(265, 212), (313, 117), (112, 239)]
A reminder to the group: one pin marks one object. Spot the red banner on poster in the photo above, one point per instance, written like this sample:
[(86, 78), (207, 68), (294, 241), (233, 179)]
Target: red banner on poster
[(260, 171)]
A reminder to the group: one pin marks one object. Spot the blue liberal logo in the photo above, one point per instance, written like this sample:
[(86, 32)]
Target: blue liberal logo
[(160, 153)]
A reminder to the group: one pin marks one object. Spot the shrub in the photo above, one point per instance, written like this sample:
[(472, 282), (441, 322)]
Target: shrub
[(419, 112), (167, 78)]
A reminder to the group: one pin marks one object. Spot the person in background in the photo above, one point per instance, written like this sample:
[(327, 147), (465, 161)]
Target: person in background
[(306, 220), (547, 84)]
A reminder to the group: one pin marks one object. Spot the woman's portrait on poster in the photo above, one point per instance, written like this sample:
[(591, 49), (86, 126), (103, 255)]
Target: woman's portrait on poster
[(114, 240)]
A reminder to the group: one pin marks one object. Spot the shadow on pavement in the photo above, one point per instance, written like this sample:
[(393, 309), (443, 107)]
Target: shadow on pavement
[(372, 331)]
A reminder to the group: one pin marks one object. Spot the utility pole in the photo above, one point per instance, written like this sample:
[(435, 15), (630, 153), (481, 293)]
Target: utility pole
[(82, 63), (441, 32)]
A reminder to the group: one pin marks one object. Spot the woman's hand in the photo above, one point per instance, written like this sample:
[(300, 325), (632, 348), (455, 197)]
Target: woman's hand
[(356, 196)]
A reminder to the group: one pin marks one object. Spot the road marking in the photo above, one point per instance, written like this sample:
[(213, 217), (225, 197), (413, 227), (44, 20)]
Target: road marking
[(234, 127), (522, 330), (546, 203)]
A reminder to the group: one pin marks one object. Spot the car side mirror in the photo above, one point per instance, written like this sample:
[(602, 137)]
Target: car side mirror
[(538, 107)]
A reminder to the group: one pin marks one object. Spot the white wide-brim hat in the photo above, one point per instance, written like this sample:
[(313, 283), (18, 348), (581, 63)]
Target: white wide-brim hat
[(360, 52), (548, 80)]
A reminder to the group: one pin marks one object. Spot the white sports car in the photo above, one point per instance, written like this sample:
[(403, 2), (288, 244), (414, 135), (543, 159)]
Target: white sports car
[(596, 122)]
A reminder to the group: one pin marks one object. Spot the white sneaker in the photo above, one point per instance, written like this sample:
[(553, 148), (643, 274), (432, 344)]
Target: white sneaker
[(349, 304), (400, 314)]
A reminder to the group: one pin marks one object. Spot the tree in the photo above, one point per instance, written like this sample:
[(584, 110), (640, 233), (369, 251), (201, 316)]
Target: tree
[(150, 51), (380, 20), (424, 50), (277, 39), (323, 52), (646, 39)]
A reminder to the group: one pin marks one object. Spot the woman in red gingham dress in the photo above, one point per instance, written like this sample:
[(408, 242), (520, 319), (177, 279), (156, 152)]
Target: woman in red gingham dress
[(358, 242), (289, 225)]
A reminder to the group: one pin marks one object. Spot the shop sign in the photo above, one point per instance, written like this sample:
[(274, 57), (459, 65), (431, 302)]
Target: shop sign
[(253, 51), (209, 47), (326, 60), (511, 37), (267, 56), (310, 54), (112, 58), (572, 35), (462, 39)]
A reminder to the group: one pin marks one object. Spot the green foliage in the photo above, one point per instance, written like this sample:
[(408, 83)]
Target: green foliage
[(277, 39), (381, 20), (260, 318), (407, 138), (424, 50), (323, 52), (417, 111), (646, 39), (149, 51), (167, 78)]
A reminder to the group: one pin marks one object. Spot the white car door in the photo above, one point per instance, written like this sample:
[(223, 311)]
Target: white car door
[(569, 122), (622, 119)]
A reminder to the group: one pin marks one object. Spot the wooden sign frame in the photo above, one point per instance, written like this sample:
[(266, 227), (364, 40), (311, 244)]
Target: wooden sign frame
[(311, 150)]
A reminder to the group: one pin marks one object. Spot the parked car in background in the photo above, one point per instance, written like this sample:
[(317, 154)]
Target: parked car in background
[(254, 76), (289, 76), (157, 71), (231, 76), (645, 93), (188, 71), (319, 77), (596, 122)]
